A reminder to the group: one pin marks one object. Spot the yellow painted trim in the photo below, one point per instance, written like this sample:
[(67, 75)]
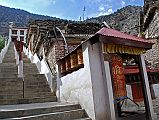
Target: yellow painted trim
[(110, 48)]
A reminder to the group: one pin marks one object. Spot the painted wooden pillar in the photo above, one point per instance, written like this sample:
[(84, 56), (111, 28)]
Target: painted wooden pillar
[(146, 89), (102, 84), (110, 105)]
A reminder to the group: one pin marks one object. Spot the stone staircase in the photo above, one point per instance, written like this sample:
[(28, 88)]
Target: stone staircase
[(30, 97)]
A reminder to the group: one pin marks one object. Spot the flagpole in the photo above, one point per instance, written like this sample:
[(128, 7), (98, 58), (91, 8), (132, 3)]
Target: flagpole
[(84, 9)]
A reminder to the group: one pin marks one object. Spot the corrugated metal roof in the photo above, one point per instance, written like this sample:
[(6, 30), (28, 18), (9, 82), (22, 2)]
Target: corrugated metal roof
[(118, 34)]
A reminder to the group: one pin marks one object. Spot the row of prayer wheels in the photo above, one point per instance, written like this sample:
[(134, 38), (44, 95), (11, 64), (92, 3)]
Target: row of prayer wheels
[(72, 61)]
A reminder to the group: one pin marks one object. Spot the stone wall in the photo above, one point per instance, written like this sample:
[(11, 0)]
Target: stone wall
[(153, 30), (152, 55), (71, 47)]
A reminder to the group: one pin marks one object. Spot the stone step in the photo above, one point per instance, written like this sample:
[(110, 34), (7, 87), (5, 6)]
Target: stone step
[(35, 80), (27, 100), (36, 76), (8, 89), (31, 71), (26, 61), (25, 58), (8, 61), (12, 84), (84, 119), (64, 115), (10, 111), (7, 68), (6, 75), (30, 67), (11, 96), (37, 94), (30, 64), (8, 65), (9, 57), (11, 79), (35, 83), (37, 89), (41, 99), (10, 52), (9, 71)]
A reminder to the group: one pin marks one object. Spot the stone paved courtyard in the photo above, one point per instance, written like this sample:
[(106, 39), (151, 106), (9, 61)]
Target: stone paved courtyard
[(142, 115)]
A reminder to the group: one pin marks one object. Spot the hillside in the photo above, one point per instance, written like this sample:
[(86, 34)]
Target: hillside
[(123, 19), (20, 17)]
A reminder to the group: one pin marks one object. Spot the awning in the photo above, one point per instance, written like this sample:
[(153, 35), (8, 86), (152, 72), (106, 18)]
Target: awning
[(111, 36)]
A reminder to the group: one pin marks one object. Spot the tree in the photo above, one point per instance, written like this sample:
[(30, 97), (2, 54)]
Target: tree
[(2, 42)]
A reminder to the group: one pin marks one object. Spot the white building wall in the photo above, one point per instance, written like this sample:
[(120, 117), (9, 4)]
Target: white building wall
[(18, 33), (90, 86), (76, 87), (156, 90)]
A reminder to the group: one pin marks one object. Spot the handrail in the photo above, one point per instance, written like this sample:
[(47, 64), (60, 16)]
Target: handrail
[(3, 51), (66, 45)]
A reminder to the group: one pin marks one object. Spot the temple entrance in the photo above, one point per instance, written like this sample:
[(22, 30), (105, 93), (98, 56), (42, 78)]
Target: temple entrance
[(128, 90), (131, 93)]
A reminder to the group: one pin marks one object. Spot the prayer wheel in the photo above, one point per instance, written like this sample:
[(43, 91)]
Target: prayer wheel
[(74, 60), (67, 63), (63, 67), (80, 56)]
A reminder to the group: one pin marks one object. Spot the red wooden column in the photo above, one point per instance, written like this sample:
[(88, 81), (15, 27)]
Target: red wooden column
[(19, 49), (118, 76)]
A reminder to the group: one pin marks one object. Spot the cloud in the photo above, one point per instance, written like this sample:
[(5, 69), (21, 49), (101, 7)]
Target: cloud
[(33, 6), (109, 11), (101, 8), (123, 3), (27, 3), (104, 9)]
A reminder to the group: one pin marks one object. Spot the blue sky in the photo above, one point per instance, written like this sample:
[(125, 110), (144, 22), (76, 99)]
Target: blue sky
[(70, 9)]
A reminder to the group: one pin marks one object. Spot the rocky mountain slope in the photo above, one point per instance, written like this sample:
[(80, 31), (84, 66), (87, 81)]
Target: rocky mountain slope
[(124, 19), (20, 17)]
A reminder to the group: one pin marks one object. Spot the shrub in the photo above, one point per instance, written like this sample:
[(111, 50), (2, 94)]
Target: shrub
[(2, 42)]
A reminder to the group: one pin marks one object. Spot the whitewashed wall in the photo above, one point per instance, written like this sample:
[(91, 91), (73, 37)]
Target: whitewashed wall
[(156, 90), (90, 86), (76, 87)]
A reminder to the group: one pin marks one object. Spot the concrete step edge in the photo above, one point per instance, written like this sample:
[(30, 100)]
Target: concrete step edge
[(37, 111), (54, 114)]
